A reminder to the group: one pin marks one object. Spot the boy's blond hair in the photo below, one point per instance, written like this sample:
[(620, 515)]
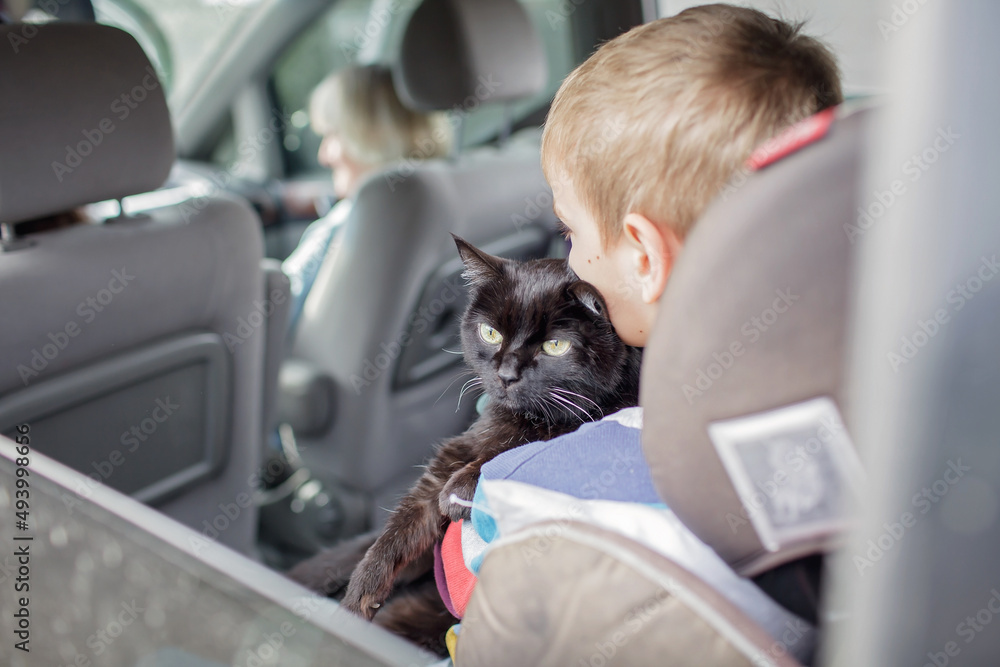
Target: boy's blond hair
[(660, 117)]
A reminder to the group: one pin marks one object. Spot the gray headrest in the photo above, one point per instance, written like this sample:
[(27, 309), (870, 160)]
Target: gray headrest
[(83, 118), (742, 377), (459, 53)]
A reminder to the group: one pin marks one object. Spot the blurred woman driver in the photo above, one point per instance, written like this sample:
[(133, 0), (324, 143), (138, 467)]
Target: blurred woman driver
[(364, 128)]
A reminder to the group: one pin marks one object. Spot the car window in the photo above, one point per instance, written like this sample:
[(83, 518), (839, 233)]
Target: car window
[(331, 43), (358, 31), (179, 36)]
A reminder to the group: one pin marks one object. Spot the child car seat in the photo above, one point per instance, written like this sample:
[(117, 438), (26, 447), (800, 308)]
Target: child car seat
[(742, 377)]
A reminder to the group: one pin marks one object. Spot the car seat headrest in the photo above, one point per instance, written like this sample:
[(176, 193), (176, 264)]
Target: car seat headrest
[(84, 119), (742, 377), (463, 53)]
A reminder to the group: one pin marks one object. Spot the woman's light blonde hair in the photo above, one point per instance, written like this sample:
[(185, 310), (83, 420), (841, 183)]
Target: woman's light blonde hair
[(659, 118), (360, 105)]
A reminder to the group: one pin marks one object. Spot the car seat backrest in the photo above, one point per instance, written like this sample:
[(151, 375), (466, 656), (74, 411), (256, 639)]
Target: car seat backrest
[(133, 347), (382, 317), (569, 593), (743, 376)]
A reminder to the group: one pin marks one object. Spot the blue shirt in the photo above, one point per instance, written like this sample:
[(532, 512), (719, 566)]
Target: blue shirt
[(304, 263)]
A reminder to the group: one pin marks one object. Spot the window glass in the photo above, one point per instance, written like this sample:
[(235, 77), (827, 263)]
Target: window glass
[(179, 37), (116, 584), (327, 46)]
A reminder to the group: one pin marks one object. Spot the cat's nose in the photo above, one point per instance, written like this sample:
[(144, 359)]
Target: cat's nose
[(508, 376)]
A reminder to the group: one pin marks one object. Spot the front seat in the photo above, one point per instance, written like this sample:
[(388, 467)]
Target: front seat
[(133, 348), (382, 318), (742, 390)]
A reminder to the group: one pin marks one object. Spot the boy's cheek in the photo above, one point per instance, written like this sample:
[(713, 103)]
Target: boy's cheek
[(592, 266), (599, 274), (624, 324), (628, 315), (617, 308), (581, 268)]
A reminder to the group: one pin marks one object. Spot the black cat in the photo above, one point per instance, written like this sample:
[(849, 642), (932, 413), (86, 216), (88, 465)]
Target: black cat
[(545, 352)]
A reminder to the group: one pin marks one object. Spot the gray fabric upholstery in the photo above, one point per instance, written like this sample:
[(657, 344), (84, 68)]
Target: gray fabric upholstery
[(82, 119), (384, 307), (783, 230), (455, 52), (616, 603), (201, 275), (83, 296), (368, 296)]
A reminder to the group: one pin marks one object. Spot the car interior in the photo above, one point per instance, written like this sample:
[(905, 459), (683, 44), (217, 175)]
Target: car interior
[(188, 447)]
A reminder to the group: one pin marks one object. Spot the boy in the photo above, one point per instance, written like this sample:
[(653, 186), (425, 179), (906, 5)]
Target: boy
[(639, 139), (678, 106)]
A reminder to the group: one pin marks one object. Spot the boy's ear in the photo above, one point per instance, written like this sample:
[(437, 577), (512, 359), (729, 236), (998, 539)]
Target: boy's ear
[(480, 267), (591, 299), (653, 249)]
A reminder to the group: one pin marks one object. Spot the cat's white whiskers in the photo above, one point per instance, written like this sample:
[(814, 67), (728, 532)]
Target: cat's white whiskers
[(562, 407), (542, 405), (572, 406), (474, 382), (458, 376), (564, 392)]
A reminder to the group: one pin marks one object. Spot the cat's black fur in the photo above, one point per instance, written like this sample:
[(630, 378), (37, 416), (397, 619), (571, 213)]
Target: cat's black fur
[(533, 396)]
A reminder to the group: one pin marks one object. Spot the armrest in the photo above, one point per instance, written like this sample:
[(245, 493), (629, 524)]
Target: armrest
[(306, 398)]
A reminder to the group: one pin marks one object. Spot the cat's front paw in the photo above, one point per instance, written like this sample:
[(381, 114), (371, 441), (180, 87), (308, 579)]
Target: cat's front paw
[(459, 507), (454, 511), (369, 587), (361, 602)]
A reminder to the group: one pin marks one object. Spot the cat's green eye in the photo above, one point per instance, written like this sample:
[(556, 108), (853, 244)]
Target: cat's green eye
[(489, 334), (555, 348)]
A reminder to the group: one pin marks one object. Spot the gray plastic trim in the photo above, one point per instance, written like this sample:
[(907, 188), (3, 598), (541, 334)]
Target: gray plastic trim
[(104, 377)]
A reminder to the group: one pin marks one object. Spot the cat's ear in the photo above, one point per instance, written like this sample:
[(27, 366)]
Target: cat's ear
[(480, 267), (589, 297)]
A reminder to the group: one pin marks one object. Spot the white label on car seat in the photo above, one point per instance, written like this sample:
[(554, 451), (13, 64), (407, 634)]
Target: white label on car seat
[(793, 468)]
